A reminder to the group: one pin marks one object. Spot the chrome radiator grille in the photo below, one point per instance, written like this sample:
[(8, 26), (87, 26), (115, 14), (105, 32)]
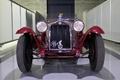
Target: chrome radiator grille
[(60, 38)]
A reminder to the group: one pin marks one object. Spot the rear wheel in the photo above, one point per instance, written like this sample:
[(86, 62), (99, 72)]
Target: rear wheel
[(97, 52), (24, 53)]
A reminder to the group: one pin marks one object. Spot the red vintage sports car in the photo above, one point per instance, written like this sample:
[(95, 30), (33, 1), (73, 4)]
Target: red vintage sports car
[(57, 39)]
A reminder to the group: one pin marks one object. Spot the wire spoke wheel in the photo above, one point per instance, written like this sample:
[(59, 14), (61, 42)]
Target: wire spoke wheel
[(24, 53), (97, 52)]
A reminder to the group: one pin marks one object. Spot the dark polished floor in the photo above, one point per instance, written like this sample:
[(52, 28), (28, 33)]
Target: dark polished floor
[(60, 70)]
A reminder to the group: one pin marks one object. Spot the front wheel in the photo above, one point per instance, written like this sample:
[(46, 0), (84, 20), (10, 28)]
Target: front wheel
[(97, 52), (24, 53)]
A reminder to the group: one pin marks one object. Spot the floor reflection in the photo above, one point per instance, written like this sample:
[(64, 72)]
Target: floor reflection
[(56, 66)]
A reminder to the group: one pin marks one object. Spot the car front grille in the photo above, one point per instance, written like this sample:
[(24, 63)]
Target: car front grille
[(60, 37)]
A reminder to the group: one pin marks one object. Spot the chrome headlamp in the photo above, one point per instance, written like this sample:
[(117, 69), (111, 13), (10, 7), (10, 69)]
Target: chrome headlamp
[(41, 26), (78, 26)]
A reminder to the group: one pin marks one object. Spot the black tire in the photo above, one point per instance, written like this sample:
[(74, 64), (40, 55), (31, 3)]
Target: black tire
[(24, 53), (97, 52)]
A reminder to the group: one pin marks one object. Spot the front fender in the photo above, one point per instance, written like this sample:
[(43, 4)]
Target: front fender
[(95, 29), (24, 30)]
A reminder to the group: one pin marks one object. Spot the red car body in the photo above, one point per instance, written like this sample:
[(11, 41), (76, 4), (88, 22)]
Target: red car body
[(77, 41), (42, 49)]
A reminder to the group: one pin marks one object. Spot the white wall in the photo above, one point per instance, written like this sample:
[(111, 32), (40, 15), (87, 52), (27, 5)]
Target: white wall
[(16, 19), (98, 16), (84, 20), (106, 19), (107, 16), (34, 24), (90, 21), (5, 21), (12, 18), (115, 20), (23, 17)]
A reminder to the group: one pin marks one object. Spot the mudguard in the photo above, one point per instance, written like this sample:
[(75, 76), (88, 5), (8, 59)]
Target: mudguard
[(24, 30), (95, 29), (38, 41)]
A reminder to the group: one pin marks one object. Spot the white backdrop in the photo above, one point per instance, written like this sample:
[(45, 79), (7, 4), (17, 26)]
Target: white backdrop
[(90, 21), (5, 21), (107, 16), (106, 19), (16, 19), (12, 18), (34, 24), (115, 20), (98, 16), (23, 17)]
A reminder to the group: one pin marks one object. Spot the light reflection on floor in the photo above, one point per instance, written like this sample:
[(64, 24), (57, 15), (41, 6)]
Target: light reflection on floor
[(60, 70)]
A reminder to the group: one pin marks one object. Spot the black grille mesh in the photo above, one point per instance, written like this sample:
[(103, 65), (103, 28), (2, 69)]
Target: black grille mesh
[(60, 32)]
